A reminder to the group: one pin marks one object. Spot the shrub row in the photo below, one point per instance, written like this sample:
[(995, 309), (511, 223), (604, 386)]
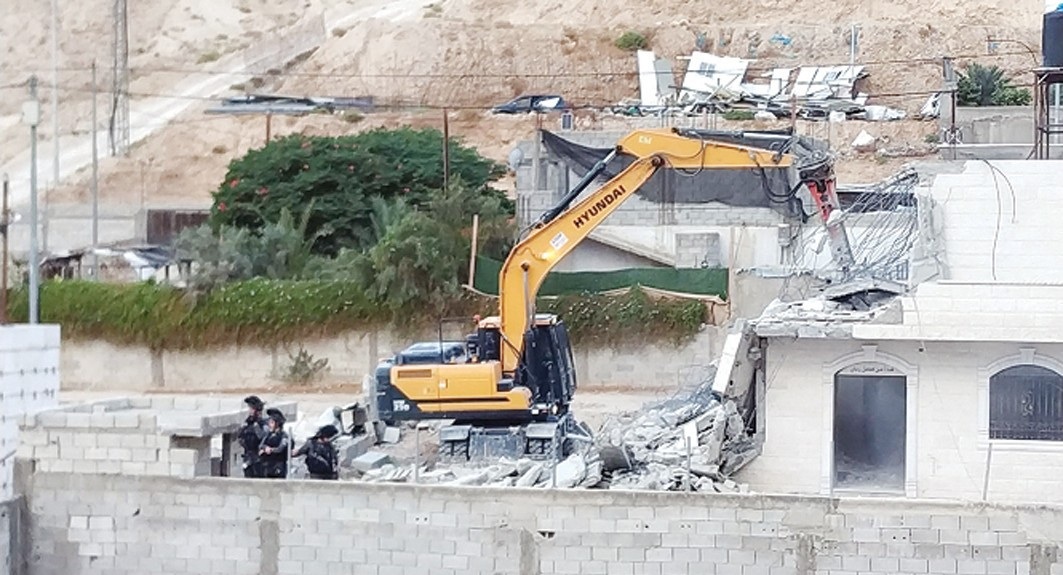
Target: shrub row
[(269, 312)]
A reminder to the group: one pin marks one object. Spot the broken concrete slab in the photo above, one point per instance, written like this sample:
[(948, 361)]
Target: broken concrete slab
[(369, 461), (531, 476), (392, 435), (571, 471), (349, 448)]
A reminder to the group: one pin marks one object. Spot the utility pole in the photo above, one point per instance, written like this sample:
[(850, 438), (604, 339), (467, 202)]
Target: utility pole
[(95, 183), (32, 116), (269, 127), (5, 225), (55, 117), (446, 150)]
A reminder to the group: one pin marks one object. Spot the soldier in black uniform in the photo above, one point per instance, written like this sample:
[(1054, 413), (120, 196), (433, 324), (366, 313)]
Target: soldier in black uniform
[(274, 448), (251, 434), (321, 459)]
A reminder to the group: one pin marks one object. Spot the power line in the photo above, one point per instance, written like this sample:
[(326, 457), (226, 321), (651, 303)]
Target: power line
[(509, 75)]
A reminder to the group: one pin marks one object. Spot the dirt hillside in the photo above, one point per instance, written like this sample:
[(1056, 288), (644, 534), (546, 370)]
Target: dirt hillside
[(473, 53)]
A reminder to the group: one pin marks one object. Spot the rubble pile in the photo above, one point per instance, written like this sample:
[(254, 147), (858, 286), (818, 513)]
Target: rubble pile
[(692, 441)]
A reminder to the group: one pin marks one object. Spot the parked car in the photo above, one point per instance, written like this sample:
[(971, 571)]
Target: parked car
[(531, 103)]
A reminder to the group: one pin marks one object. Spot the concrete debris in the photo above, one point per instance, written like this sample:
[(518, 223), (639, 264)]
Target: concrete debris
[(531, 476), (571, 471), (349, 448), (692, 441), (864, 142), (392, 435), (370, 460), (683, 443), (719, 84)]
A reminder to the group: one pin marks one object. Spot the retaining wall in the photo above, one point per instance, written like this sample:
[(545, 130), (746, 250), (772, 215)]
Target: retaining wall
[(100, 366), (112, 524)]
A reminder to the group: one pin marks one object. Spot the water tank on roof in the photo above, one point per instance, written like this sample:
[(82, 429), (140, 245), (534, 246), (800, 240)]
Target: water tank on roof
[(1052, 39)]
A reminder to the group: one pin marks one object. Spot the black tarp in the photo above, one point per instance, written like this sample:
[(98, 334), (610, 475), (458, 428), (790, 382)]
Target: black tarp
[(768, 187)]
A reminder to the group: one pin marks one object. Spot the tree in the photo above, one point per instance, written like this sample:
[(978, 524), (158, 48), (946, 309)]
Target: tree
[(423, 255), (346, 177), (281, 250), (986, 86)]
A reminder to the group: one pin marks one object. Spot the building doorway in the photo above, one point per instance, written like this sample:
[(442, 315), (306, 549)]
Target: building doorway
[(870, 416)]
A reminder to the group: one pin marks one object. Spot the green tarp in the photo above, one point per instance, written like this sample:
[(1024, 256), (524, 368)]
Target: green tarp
[(711, 281)]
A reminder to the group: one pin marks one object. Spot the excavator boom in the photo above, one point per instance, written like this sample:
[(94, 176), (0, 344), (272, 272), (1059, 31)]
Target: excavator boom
[(554, 237)]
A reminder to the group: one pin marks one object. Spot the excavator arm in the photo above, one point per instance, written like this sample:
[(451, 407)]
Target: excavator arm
[(563, 228)]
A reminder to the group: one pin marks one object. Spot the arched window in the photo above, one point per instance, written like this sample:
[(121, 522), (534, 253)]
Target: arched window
[(1026, 403)]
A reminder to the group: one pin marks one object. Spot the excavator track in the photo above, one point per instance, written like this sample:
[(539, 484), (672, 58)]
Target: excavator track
[(541, 441)]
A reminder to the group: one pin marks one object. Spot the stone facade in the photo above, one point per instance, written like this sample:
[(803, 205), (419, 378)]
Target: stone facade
[(947, 416), (110, 524)]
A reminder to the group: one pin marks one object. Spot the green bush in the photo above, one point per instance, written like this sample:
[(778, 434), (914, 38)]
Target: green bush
[(342, 175), (987, 86), (631, 41), (269, 312)]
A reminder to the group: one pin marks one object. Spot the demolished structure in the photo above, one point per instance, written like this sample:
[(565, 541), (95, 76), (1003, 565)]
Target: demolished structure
[(693, 441), (718, 84)]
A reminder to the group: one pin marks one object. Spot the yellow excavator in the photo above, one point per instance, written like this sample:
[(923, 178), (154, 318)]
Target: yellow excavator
[(509, 385)]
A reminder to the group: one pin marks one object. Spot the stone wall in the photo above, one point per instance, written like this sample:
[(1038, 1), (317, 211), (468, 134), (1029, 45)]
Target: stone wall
[(100, 366), (111, 524)]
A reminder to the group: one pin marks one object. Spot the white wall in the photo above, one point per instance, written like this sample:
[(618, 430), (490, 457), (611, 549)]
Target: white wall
[(29, 381), (100, 366), (1024, 244), (947, 432), (993, 311), (592, 256)]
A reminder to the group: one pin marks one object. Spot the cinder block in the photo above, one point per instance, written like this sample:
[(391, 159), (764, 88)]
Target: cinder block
[(741, 557), (1001, 567), (867, 535), (983, 538), (913, 565), (885, 565), (84, 466), (942, 566), (945, 522), (971, 567), (658, 555), (974, 523), (856, 563), (953, 537)]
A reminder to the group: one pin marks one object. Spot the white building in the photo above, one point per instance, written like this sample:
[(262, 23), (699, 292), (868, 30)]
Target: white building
[(953, 390)]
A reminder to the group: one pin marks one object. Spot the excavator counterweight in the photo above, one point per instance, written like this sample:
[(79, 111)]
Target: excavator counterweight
[(509, 385)]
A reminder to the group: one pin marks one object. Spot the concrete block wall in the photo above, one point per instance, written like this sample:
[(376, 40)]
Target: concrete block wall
[(115, 525), (947, 430), (29, 381), (145, 436), (1022, 245), (100, 366), (977, 312), (694, 248)]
